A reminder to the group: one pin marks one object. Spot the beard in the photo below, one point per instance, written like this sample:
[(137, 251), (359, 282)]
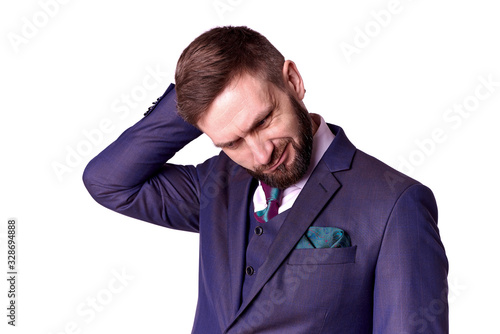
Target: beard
[(285, 176)]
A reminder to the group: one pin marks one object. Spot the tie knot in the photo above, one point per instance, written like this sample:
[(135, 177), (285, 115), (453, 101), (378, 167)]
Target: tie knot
[(272, 194), (273, 199)]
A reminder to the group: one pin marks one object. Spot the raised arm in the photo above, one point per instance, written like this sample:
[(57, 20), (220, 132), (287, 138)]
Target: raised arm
[(131, 177)]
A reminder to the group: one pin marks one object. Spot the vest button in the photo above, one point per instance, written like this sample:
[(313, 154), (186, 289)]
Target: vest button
[(250, 271), (259, 230)]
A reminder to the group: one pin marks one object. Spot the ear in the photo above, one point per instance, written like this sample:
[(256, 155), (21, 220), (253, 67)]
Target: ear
[(293, 79)]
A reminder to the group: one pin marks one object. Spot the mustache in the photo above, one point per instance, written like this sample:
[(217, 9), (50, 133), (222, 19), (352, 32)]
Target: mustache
[(275, 156)]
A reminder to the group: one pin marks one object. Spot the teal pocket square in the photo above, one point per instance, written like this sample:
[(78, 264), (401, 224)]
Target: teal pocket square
[(324, 237)]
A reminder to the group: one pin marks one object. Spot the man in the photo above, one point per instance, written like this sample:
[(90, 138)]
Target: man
[(300, 232)]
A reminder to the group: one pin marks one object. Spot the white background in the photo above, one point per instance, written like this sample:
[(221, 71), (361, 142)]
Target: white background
[(70, 71)]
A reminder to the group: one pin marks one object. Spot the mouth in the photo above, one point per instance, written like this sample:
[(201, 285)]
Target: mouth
[(283, 157)]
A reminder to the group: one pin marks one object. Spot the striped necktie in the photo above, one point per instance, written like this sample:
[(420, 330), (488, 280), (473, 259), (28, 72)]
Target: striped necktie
[(273, 199)]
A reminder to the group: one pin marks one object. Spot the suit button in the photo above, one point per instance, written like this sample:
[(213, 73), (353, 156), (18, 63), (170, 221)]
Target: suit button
[(259, 230), (249, 271)]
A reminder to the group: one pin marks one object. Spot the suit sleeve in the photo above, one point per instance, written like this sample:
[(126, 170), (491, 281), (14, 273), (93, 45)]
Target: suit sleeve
[(131, 177), (410, 294)]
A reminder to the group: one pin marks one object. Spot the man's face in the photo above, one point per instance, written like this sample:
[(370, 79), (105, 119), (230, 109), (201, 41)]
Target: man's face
[(261, 128)]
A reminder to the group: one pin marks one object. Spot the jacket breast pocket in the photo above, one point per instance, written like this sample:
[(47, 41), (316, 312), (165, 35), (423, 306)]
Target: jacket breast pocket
[(322, 256)]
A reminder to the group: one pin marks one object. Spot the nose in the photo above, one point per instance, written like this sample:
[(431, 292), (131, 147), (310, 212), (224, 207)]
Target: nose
[(261, 149)]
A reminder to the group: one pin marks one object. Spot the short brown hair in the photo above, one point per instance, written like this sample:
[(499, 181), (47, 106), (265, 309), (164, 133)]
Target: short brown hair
[(217, 56)]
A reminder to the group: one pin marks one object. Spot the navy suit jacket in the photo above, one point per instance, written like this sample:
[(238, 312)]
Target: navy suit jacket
[(393, 279)]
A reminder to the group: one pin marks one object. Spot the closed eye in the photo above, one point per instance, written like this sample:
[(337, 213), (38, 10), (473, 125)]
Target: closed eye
[(231, 145), (262, 122)]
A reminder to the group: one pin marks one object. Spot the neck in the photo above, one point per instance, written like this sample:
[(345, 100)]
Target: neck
[(315, 121)]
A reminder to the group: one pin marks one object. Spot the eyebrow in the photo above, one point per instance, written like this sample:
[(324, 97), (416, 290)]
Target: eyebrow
[(256, 121), (222, 145)]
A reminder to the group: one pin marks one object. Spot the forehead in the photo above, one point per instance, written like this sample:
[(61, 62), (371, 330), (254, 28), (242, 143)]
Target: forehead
[(234, 110)]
